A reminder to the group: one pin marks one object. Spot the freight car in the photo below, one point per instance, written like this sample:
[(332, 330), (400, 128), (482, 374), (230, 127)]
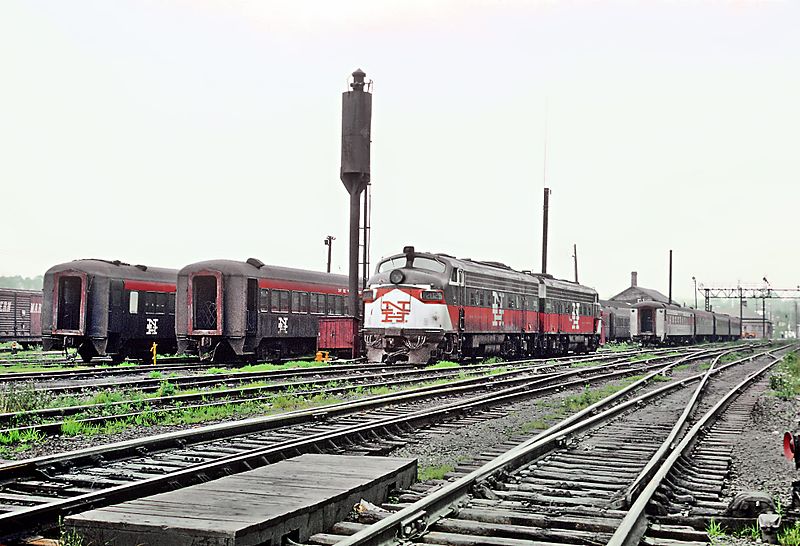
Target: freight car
[(661, 323), (231, 309), (109, 308), (419, 307), (21, 316)]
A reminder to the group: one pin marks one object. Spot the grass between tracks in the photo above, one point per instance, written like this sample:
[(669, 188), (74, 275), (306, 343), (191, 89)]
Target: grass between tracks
[(569, 405), (292, 398), (785, 381), (434, 472)]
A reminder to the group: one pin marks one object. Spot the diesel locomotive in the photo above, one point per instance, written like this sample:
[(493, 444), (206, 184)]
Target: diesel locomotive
[(109, 308), (232, 309), (420, 307)]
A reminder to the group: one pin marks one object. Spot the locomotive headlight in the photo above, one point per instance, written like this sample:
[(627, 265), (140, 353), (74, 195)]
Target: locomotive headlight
[(396, 276), (432, 295)]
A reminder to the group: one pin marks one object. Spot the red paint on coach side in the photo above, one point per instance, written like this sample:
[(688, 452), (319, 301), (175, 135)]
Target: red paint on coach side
[(277, 284), (148, 286)]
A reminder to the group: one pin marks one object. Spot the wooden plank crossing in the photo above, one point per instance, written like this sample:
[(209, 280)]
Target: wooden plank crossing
[(296, 498)]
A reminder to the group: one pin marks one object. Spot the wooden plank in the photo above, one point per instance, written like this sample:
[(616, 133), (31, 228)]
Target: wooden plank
[(303, 494)]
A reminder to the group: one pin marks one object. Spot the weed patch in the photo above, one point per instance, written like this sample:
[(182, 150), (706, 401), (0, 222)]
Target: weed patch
[(435, 472), (443, 364)]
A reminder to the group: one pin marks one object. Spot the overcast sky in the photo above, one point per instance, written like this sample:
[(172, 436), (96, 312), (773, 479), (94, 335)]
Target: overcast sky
[(168, 132)]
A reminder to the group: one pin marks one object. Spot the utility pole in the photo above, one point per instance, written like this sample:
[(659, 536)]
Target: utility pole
[(694, 280), (546, 210), (670, 277), (575, 257), (329, 243)]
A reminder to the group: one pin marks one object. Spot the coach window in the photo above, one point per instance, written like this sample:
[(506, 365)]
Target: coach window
[(263, 300), (161, 303), (331, 304), (339, 305), (315, 306), (295, 302), (283, 301), (133, 306)]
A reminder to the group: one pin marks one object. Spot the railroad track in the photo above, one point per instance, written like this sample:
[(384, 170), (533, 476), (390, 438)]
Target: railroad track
[(330, 382), (585, 480), (114, 372), (35, 492)]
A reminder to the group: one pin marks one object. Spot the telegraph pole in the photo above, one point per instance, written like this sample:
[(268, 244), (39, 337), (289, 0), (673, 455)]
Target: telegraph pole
[(329, 243), (546, 210), (575, 257)]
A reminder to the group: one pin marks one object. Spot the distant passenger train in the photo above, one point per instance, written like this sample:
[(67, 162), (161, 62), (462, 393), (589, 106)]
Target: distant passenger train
[(229, 309), (21, 316), (109, 308), (661, 323), (420, 307), (617, 317)]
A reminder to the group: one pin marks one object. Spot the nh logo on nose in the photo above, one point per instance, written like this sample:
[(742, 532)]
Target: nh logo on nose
[(395, 312)]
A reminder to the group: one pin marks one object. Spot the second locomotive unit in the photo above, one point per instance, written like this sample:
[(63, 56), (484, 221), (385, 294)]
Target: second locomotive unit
[(420, 307)]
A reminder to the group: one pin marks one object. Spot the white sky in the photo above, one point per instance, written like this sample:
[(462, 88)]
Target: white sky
[(168, 132)]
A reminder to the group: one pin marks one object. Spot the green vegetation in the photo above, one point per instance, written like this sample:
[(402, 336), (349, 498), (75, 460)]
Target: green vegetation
[(155, 375), (642, 356), (714, 530), (443, 364), (25, 283), (492, 360), (293, 398), (785, 381), (284, 366), (16, 398), (574, 403), (619, 347), (749, 531), (436, 472), (730, 357), (790, 536), (585, 364)]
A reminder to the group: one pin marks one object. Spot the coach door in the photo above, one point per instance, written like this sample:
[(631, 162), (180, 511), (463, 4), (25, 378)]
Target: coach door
[(646, 321), (460, 289), (252, 306)]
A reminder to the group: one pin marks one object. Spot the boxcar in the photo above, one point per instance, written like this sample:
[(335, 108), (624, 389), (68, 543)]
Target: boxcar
[(109, 308), (231, 309), (21, 316)]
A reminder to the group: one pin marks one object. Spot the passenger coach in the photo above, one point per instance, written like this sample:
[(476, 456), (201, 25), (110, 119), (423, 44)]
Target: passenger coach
[(661, 323), (109, 308), (229, 309)]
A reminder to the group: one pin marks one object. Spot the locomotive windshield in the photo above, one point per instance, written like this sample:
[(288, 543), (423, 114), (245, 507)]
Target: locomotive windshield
[(416, 262)]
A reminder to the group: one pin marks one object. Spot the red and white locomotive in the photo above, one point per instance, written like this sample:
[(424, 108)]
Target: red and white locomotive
[(420, 307)]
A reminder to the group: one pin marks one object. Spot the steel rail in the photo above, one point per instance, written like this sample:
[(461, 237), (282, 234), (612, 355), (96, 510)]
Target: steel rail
[(54, 427), (414, 519), (26, 518), (634, 524)]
